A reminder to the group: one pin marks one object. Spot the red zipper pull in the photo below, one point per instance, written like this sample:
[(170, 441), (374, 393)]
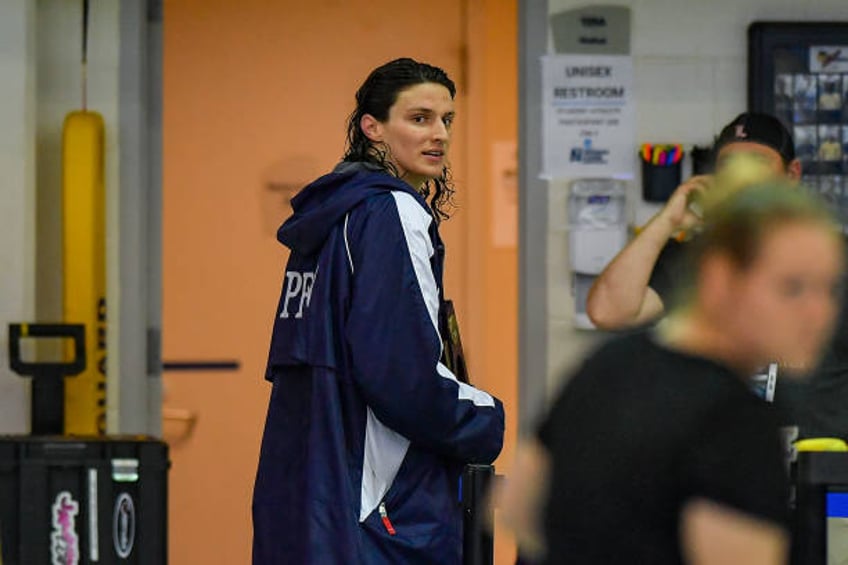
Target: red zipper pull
[(386, 522)]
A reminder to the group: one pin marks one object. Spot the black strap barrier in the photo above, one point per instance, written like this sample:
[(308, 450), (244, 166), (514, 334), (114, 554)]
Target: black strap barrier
[(48, 379), (477, 541)]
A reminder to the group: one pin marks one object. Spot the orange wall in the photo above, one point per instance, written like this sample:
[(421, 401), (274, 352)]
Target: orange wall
[(257, 92), (492, 272)]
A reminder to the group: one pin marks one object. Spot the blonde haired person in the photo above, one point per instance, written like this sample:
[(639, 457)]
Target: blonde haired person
[(656, 451)]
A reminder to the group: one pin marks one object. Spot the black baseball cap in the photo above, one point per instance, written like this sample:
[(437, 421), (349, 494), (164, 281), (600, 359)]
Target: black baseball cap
[(755, 127)]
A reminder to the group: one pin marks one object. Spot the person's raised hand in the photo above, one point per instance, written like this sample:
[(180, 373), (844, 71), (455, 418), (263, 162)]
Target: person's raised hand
[(678, 211)]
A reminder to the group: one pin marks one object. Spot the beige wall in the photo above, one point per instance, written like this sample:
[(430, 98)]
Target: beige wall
[(256, 93), (17, 191)]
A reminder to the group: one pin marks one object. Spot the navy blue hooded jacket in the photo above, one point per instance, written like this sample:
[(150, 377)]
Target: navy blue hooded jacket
[(367, 430)]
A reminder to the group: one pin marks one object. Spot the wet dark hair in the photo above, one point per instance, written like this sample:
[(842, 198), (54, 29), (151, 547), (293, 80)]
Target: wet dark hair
[(376, 96)]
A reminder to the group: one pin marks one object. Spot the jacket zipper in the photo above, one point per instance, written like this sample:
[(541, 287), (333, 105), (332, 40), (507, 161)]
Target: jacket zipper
[(385, 517)]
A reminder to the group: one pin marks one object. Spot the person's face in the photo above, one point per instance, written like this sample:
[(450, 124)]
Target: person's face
[(784, 305), (417, 132)]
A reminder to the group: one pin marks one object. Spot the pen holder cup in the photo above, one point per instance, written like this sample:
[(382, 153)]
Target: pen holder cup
[(702, 160), (659, 181)]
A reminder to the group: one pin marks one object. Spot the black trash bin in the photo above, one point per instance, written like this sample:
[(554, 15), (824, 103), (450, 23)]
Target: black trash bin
[(83, 501)]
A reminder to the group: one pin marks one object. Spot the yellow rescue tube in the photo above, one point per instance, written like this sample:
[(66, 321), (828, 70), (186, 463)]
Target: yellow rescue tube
[(84, 266), (821, 444)]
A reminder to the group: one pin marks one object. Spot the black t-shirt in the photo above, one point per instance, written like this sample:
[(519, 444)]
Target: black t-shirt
[(669, 271), (639, 431), (818, 404)]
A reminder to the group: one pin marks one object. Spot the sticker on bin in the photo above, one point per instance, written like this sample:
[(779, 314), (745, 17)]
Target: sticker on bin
[(123, 525), (64, 543), (125, 470), (93, 541)]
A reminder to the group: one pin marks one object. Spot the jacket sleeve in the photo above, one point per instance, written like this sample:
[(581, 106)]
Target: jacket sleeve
[(392, 333)]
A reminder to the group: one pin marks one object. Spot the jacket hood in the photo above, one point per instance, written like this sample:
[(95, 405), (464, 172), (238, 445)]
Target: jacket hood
[(322, 203)]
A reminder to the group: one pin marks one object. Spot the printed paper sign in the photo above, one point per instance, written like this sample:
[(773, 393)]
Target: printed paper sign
[(588, 116)]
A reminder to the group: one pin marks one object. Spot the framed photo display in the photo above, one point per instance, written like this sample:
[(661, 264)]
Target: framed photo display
[(799, 73)]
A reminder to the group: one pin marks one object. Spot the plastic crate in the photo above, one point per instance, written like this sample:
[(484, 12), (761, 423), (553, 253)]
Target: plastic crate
[(75, 501)]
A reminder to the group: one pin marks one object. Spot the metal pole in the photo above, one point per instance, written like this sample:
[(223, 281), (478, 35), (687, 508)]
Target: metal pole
[(477, 540), (533, 215)]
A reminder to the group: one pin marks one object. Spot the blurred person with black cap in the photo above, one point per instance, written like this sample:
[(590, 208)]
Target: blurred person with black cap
[(638, 286), (635, 288)]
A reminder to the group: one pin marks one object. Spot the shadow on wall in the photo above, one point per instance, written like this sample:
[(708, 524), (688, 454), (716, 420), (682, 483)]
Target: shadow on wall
[(281, 181)]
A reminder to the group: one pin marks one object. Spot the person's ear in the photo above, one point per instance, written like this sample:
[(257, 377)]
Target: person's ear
[(793, 170), (372, 128)]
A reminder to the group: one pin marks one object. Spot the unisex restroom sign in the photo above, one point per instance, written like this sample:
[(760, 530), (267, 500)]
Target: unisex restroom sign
[(588, 116)]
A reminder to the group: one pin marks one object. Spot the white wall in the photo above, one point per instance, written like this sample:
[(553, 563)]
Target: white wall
[(59, 91), (40, 51), (17, 194), (690, 74)]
